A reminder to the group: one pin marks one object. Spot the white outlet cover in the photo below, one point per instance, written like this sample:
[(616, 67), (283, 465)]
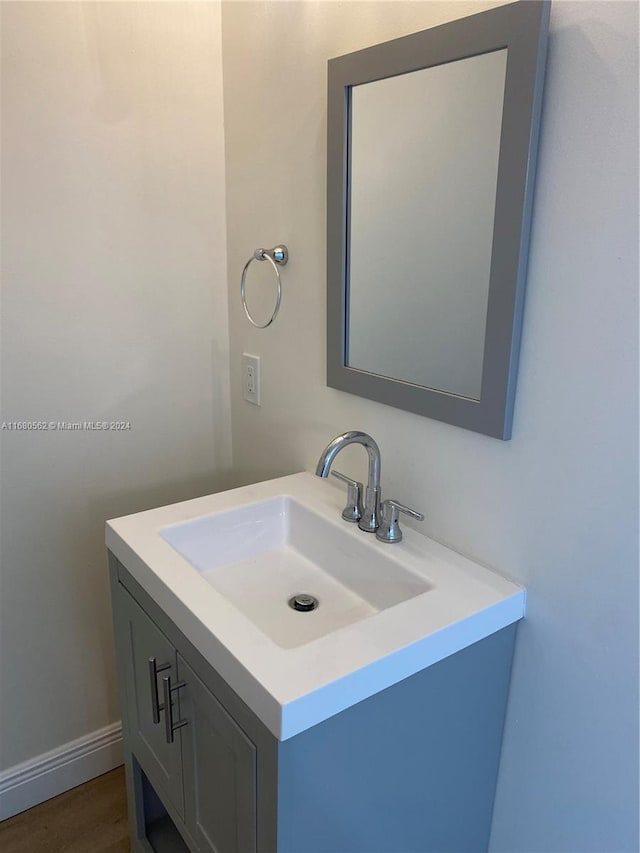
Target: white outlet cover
[(251, 363)]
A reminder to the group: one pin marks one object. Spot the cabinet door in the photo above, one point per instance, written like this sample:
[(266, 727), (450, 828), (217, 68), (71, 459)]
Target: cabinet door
[(219, 772), (139, 640)]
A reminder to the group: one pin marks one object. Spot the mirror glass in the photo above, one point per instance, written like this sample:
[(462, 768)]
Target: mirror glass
[(422, 174)]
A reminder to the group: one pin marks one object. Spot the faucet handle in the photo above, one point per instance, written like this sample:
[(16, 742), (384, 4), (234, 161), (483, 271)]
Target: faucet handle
[(353, 509), (389, 529)]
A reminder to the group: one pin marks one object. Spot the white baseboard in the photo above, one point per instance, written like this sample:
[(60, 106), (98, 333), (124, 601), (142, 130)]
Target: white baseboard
[(45, 776)]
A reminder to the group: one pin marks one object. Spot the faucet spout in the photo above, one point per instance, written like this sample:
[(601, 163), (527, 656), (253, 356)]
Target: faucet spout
[(371, 516)]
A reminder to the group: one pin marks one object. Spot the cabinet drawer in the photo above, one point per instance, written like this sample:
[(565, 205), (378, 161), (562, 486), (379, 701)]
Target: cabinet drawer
[(141, 643), (219, 763)]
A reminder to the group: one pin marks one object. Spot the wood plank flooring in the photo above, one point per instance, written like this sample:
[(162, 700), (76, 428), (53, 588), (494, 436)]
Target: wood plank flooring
[(91, 818)]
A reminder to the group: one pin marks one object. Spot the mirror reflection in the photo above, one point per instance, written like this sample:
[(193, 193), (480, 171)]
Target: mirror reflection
[(423, 168)]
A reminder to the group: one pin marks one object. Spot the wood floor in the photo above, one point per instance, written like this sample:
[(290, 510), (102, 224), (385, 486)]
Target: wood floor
[(89, 819)]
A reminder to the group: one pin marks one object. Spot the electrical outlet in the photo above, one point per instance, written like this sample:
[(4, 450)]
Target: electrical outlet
[(251, 378)]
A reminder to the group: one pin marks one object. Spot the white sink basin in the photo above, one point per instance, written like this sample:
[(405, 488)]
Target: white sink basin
[(224, 566), (260, 556)]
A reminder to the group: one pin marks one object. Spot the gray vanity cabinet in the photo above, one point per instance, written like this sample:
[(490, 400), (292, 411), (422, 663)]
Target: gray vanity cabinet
[(140, 643), (196, 792), (219, 772), (412, 768)]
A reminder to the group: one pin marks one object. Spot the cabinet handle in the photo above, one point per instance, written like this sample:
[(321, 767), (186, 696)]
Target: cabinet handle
[(154, 669), (169, 725)]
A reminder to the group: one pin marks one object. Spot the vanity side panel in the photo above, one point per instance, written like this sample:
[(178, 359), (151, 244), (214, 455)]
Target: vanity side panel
[(413, 768), (266, 744)]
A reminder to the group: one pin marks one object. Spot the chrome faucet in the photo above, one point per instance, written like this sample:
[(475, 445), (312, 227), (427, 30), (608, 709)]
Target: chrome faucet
[(370, 519)]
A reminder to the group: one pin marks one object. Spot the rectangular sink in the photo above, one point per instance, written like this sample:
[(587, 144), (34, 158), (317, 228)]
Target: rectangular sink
[(260, 556), (224, 566)]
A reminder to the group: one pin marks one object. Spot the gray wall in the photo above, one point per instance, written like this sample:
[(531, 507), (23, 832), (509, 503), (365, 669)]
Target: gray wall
[(556, 507), (114, 306)]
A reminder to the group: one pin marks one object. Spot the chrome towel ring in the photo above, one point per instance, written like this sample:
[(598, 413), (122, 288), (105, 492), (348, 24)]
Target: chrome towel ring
[(278, 256)]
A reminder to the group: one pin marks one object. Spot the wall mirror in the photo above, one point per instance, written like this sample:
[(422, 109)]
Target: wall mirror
[(430, 166)]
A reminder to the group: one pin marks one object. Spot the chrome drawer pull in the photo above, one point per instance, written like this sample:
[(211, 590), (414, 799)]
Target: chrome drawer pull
[(154, 669), (169, 726)]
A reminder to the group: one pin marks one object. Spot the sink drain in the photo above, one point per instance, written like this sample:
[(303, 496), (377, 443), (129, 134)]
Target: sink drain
[(303, 602)]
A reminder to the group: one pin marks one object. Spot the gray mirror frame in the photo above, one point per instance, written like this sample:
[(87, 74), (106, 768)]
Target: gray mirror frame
[(522, 28)]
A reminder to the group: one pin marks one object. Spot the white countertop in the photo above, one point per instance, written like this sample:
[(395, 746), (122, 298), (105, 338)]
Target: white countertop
[(292, 689)]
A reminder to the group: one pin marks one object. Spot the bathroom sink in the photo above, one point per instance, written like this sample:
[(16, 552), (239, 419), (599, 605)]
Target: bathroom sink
[(224, 567), (261, 556)]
